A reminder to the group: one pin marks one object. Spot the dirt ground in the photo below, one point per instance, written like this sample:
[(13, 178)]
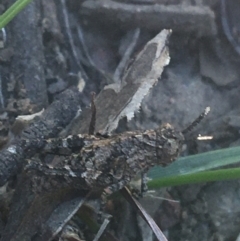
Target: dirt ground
[(53, 45)]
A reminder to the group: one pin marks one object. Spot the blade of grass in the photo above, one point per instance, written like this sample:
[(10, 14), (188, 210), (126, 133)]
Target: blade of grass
[(12, 11), (207, 176), (198, 163)]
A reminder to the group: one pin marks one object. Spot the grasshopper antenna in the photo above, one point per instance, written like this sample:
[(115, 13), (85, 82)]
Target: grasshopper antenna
[(197, 121)]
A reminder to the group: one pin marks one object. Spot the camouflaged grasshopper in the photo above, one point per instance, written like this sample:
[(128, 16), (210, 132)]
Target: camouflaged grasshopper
[(110, 163)]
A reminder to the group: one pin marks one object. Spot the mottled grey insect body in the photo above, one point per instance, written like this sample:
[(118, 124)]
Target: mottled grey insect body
[(111, 163)]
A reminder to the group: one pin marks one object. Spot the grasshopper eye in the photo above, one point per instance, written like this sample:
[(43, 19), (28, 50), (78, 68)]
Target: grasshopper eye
[(171, 147)]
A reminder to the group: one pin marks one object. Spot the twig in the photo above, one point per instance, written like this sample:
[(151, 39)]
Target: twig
[(56, 117), (102, 229), (228, 29), (125, 59), (94, 112), (84, 47), (88, 61), (151, 223), (1, 94), (69, 34)]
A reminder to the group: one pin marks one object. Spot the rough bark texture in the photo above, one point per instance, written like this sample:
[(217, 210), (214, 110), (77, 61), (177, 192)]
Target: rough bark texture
[(54, 119)]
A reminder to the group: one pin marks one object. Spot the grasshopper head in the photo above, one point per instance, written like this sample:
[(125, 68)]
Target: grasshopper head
[(168, 144)]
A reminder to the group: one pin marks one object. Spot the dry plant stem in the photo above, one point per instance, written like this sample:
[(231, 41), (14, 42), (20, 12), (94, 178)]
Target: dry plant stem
[(54, 119), (126, 57), (151, 223), (70, 38), (225, 18), (1, 94), (101, 230), (198, 19), (50, 20), (84, 47), (94, 112), (87, 60)]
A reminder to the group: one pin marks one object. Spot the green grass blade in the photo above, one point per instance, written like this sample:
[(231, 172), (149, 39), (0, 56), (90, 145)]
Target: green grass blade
[(198, 163), (207, 176), (12, 11)]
